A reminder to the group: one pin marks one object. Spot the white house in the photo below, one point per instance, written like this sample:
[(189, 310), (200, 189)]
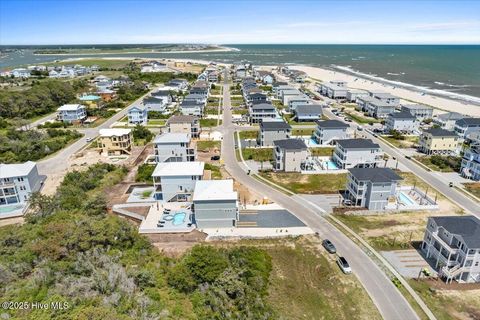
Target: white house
[(72, 113), (138, 115), (17, 182), (174, 147)]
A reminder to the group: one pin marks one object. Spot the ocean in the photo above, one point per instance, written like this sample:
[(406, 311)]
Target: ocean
[(452, 70)]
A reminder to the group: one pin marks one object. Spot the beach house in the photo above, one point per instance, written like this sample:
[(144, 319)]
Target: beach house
[(192, 108), (137, 114), (372, 188), (154, 104), (273, 130), (174, 147), (447, 120), (265, 77), (184, 124), (17, 182), (262, 111), (333, 91), (288, 94), (402, 121), (438, 141), (357, 153), (328, 131), (114, 142), (72, 113), (175, 181), (294, 101), (452, 245), (419, 111), (470, 167), (353, 94), (307, 112), (215, 204), (290, 155), (466, 126), (256, 98), (375, 107)]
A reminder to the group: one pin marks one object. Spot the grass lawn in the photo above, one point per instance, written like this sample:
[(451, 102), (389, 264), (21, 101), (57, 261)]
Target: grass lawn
[(408, 142), (211, 110), (308, 183), (206, 145), (473, 188), (258, 154), (278, 104), (216, 174), (361, 119), (156, 122), (216, 91), (240, 111), (209, 122), (448, 304), (322, 152), (441, 163), (237, 102), (102, 63), (303, 132), (251, 134), (291, 120)]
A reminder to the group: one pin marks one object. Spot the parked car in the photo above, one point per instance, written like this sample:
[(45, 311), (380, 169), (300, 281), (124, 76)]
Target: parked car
[(359, 128), (408, 157), (89, 139), (328, 245), (450, 184), (344, 266), (215, 158)]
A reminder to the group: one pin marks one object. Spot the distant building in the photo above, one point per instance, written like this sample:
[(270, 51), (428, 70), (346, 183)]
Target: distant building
[(295, 101), (153, 66), (115, 142), (328, 131), (17, 182), (137, 115), (353, 94), (452, 243), (273, 130), (372, 188), (466, 126), (447, 120), (402, 121), (357, 153), (419, 111), (72, 113), (262, 111), (375, 107), (175, 181), (333, 91), (286, 95), (192, 108), (470, 168), (174, 147), (290, 155), (184, 124), (154, 104), (256, 98), (438, 141), (308, 112), (215, 204)]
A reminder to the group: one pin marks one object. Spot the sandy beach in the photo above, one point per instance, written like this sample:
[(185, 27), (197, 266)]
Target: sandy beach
[(441, 104)]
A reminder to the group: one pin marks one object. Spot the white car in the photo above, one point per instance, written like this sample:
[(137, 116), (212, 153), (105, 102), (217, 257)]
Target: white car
[(89, 139), (344, 266)]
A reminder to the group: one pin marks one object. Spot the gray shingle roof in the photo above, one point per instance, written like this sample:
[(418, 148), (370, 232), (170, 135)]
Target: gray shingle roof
[(308, 109), (290, 144), (468, 227), (451, 116), (357, 144), (181, 119), (402, 115), (439, 132), (274, 125), (375, 174), (262, 106), (332, 124), (468, 121)]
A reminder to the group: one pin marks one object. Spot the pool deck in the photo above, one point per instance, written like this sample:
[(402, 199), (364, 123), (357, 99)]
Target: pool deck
[(149, 225), (136, 195), (17, 211)]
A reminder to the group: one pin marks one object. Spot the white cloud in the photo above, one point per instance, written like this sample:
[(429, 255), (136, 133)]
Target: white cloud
[(441, 26)]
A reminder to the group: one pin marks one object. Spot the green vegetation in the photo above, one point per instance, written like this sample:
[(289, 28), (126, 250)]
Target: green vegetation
[(258, 154), (141, 134), (103, 64), (402, 141), (133, 71), (473, 188), (216, 174), (42, 98), (303, 132), (252, 134), (144, 173), (240, 111), (237, 102), (211, 110), (362, 120), (278, 104), (209, 122), (208, 145), (266, 88), (441, 163), (308, 183), (24, 145), (292, 120), (156, 122), (322, 152)]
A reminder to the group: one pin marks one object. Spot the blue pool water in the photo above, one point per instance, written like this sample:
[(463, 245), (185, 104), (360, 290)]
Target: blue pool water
[(9, 209), (331, 165), (312, 142), (178, 218), (405, 199), (89, 98)]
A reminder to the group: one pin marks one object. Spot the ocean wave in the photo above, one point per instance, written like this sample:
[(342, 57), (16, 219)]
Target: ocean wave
[(395, 74), (424, 89), (452, 85)]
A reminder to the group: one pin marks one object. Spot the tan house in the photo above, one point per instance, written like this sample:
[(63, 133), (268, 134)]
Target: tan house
[(184, 124), (115, 141), (438, 141)]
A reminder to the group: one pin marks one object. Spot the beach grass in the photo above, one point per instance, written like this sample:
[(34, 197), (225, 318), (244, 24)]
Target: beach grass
[(308, 183)]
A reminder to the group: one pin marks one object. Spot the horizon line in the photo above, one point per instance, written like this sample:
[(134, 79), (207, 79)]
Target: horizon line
[(250, 43)]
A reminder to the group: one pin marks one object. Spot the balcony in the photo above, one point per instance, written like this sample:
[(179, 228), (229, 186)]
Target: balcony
[(445, 245)]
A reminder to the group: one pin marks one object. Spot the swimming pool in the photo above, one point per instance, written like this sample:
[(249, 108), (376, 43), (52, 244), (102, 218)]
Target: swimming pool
[(311, 142), (331, 165), (178, 218), (89, 98), (9, 209), (405, 199)]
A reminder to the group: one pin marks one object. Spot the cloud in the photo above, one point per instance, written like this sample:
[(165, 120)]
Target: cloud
[(442, 26), (306, 24)]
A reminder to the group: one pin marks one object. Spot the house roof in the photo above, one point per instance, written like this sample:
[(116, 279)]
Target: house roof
[(172, 137), (194, 96), (334, 86), (416, 107), (468, 121), (308, 109), (16, 169), (262, 106), (70, 107), (161, 93), (331, 124), (451, 116), (274, 125), (376, 102), (290, 144), (114, 132), (439, 132), (166, 169), (467, 227), (181, 119), (384, 95), (375, 175), (358, 144), (257, 95), (402, 115), (152, 100), (139, 107), (206, 190), (300, 97)]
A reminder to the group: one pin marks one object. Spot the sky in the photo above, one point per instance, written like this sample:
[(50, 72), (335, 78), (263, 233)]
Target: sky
[(25, 22)]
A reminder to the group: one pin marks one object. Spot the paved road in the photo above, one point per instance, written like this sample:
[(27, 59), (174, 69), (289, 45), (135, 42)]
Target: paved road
[(58, 162), (390, 302)]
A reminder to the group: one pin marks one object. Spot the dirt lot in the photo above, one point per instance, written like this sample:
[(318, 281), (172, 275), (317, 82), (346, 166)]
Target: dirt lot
[(176, 244)]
